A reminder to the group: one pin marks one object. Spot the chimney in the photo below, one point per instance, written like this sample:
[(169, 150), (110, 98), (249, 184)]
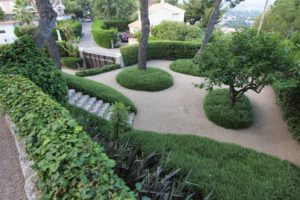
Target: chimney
[(162, 1)]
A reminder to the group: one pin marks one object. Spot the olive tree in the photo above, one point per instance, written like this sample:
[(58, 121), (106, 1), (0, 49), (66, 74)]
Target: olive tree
[(245, 62)]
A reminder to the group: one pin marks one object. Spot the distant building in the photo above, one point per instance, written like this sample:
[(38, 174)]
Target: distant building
[(8, 7), (157, 13)]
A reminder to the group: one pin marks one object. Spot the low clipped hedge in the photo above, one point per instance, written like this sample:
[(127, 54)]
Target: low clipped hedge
[(150, 79), (119, 24), (169, 50), (103, 37), (71, 62), (68, 163), (95, 71), (186, 66), (218, 109), (97, 90)]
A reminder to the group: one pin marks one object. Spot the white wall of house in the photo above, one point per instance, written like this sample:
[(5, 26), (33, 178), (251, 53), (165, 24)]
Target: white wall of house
[(8, 36), (164, 15)]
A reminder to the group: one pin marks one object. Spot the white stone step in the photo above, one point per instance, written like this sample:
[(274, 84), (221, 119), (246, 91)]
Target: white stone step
[(73, 100), (108, 113), (130, 118), (103, 109), (89, 104), (80, 103), (96, 107), (71, 92)]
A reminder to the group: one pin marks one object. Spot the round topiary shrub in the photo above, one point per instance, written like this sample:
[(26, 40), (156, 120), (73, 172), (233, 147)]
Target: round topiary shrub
[(71, 62), (150, 79), (186, 66), (218, 109)]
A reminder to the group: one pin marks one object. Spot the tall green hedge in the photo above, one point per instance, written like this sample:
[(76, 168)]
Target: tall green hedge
[(119, 24), (169, 50), (68, 163), (103, 37), (22, 57)]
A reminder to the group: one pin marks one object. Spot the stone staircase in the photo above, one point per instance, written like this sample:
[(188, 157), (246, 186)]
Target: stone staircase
[(92, 105)]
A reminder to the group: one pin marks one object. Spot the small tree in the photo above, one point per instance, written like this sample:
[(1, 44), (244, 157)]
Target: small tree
[(248, 61), (119, 121), (22, 11)]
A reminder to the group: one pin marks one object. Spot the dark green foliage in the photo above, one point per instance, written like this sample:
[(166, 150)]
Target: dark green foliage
[(98, 128), (66, 49), (169, 50), (98, 90), (171, 30), (103, 37), (68, 163), (289, 100), (218, 109), (119, 24), (71, 62), (230, 171), (23, 58), (2, 14), (186, 66), (95, 71), (150, 79), (25, 30)]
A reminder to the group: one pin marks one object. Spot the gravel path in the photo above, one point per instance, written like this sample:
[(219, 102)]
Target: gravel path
[(11, 177), (179, 109)]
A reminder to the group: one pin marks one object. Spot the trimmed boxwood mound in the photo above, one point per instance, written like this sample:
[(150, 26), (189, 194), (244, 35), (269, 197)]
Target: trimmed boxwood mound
[(229, 171), (71, 62), (169, 50), (218, 109), (98, 90), (22, 57), (186, 66), (103, 36), (150, 79), (68, 163), (95, 71)]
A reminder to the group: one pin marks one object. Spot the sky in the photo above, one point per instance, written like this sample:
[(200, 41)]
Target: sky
[(253, 4)]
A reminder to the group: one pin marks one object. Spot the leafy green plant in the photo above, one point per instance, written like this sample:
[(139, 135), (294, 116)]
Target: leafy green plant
[(186, 66), (118, 119), (103, 37), (95, 71), (225, 171), (67, 49), (68, 163), (22, 57), (169, 50), (69, 29), (98, 90), (150, 79), (171, 30), (20, 31), (71, 62), (218, 109)]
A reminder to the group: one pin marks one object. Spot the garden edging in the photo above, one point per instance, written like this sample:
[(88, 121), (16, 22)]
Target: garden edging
[(30, 176)]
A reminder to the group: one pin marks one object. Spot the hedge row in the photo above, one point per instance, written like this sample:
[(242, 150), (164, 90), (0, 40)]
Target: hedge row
[(120, 25), (169, 50), (103, 37), (98, 90), (95, 71), (69, 164)]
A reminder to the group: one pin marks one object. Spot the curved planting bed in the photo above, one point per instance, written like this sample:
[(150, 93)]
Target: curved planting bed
[(150, 79)]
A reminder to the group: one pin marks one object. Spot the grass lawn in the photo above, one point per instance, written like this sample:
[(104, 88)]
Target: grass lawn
[(98, 90), (185, 66), (150, 79), (218, 109), (230, 171)]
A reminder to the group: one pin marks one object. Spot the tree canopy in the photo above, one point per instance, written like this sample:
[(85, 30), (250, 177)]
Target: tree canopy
[(114, 9)]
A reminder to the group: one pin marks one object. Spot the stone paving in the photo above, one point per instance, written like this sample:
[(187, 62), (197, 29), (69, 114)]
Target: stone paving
[(179, 109)]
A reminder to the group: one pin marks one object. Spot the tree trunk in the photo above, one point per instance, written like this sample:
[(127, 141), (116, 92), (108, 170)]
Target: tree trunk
[(210, 27), (263, 17), (47, 19), (232, 96), (142, 61), (53, 51)]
